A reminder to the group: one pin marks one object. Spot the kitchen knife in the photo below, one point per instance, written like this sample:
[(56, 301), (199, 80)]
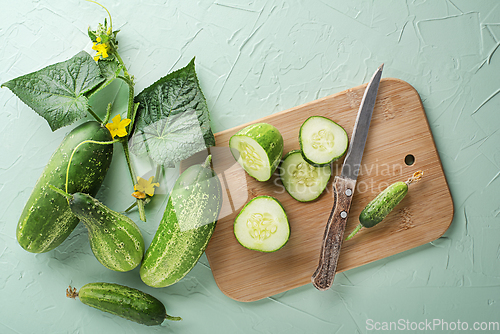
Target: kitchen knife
[(343, 189)]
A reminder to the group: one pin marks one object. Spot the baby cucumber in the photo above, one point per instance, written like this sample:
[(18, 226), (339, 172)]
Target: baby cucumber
[(384, 203), (262, 225), (258, 149), (186, 227), (115, 239), (303, 181), (322, 140), (123, 301), (46, 220)]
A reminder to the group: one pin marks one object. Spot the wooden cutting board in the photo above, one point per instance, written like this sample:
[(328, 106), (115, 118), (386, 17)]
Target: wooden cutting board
[(398, 130)]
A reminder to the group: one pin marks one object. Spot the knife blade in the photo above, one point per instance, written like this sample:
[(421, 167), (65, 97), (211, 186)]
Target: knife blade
[(343, 189)]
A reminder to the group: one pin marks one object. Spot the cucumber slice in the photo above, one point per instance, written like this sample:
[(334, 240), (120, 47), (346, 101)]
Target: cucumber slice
[(322, 140), (303, 181), (258, 149), (262, 225)]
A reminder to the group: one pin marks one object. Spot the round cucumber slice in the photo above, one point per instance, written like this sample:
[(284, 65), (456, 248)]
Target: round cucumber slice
[(303, 181), (262, 225), (258, 149), (322, 140)]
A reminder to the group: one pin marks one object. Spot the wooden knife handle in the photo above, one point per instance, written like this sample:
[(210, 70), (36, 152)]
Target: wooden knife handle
[(343, 189)]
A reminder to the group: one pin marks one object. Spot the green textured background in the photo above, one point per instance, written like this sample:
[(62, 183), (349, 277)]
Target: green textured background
[(255, 58)]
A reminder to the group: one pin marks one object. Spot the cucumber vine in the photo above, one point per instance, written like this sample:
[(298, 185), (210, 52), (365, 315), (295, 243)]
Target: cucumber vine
[(105, 43), (167, 122)]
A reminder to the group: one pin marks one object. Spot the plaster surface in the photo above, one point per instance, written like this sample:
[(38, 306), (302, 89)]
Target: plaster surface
[(255, 58)]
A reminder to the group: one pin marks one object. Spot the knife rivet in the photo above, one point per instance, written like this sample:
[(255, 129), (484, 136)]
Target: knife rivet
[(348, 192), (343, 214)]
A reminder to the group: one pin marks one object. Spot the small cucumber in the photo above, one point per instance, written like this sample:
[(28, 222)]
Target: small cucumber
[(384, 203), (46, 220), (123, 301), (303, 181), (186, 227), (258, 149), (115, 239), (322, 140), (262, 225)]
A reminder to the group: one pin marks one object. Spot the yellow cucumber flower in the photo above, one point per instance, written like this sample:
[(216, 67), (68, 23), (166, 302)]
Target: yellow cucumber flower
[(144, 187), (117, 126), (101, 48)]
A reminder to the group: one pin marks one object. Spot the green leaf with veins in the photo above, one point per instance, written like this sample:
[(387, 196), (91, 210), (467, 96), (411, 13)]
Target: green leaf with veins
[(169, 140), (110, 70), (58, 92), (173, 119)]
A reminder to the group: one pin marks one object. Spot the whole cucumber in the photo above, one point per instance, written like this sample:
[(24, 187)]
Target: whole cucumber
[(115, 239), (46, 220), (186, 227), (384, 203), (123, 301)]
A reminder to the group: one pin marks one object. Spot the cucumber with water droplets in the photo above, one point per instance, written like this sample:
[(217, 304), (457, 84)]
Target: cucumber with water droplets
[(115, 239), (186, 227), (123, 301), (46, 220)]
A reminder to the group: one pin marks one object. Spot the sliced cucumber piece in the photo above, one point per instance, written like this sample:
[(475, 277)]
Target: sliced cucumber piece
[(258, 149), (262, 225), (322, 140), (303, 181)]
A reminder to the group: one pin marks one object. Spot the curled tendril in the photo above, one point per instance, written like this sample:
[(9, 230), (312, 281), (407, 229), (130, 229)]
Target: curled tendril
[(110, 21)]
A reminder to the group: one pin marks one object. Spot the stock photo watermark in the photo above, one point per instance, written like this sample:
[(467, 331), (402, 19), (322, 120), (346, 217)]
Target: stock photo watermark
[(429, 325), (372, 183), (237, 191)]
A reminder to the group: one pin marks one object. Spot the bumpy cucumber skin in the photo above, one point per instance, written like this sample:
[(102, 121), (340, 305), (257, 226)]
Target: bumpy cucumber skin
[(269, 138), (383, 204), (128, 303), (115, 239), (302, 149), (186, 227), (46, 220)]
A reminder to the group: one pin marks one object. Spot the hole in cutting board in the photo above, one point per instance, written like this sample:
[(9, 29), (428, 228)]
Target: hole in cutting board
[(409, 159)]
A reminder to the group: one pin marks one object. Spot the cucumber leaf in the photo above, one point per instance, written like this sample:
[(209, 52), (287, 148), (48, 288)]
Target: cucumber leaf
[(173, 119), (169, 140), (110, 70), (58, 92)]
